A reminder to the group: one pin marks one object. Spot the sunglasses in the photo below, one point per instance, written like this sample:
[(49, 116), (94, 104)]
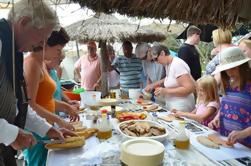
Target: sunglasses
[(156, 57)]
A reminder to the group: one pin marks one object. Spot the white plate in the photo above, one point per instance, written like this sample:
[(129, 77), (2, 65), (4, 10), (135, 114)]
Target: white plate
[(141, 151), (107, 102), (158, 138), (153, 110), (117, 108)]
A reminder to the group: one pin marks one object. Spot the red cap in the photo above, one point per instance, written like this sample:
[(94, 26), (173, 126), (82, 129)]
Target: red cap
[(91, 44), (104, 111)]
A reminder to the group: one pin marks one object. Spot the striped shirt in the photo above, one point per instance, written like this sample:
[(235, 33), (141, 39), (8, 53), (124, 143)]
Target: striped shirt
[(130, 71)]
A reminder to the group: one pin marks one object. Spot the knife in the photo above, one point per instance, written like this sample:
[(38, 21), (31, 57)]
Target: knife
[(52, 141)]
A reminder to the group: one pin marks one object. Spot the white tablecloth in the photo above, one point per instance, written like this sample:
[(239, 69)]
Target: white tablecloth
[(106, 153)]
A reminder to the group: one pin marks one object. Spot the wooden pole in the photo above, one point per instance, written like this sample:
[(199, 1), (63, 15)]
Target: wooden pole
[(77, 49), (104, 68)]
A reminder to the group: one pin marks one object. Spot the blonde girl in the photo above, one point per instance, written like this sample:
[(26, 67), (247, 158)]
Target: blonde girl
[(245, 46), (207, 103)]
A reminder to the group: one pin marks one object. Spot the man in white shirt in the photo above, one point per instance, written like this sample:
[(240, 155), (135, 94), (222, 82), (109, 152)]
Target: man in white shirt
[(32, 23)]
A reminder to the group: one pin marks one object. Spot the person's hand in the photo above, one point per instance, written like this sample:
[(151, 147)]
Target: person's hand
[(23, 140), (67, 133), (74, 103), (63, 124), (214, 124), (55, 134), (177, 113), (235, 135), (96, 86), (59, 134), (214, 51), (73, 114), (174, 110), (159, 91), (149, 88)]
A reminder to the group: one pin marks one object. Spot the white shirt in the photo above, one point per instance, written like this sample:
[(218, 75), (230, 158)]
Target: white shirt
[(113, 79), (176, 69), (34, 123)]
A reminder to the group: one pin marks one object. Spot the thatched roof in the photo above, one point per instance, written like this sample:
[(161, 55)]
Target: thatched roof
[(217, 12), (109, 28)]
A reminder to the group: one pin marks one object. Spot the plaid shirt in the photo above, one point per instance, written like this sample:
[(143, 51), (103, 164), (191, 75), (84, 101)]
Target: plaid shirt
[(211, 66)]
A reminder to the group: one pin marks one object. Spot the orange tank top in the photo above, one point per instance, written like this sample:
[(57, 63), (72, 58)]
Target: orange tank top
[(45, 93)]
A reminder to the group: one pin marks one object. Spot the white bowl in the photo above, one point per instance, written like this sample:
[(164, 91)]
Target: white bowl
[(134, 93), (157, 138), (90, 98), (142, 151)]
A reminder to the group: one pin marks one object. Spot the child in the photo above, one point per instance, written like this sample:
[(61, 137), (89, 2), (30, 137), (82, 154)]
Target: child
[(207, 103)]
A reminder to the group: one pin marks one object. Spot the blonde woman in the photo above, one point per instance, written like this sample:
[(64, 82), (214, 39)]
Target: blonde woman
[(207, 103), (222, 39)]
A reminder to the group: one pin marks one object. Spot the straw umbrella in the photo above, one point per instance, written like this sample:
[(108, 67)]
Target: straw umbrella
[(103, 28), (216, 12)]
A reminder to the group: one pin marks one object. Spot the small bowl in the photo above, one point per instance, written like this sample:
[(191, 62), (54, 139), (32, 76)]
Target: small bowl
[(68, 84), (159, 138), (142, 151)]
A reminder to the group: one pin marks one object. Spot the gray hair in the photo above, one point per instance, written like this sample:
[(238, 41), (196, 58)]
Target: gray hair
[(41, 13), (157, 48), (141, 48)]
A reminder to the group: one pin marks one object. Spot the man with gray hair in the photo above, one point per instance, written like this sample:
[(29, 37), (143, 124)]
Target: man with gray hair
[(31, 24), (152, 70)]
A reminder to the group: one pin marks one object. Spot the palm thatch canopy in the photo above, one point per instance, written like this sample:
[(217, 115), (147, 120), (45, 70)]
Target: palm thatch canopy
[(217, 12), (103, 27)]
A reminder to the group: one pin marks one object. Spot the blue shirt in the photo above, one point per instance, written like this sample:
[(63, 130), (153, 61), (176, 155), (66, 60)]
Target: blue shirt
[(54, 76), (211, 66), (130, 71)]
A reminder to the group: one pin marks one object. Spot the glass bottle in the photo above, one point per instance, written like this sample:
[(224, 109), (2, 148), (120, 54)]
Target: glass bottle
[(182, 139), (104, 126)]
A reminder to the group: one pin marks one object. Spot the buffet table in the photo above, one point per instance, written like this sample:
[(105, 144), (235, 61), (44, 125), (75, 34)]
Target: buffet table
[(107, 152)]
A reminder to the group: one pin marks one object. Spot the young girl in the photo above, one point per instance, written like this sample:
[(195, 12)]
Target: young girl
[(207, 103)]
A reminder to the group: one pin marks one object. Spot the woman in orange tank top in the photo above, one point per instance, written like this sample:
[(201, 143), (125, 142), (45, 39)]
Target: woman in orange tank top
[(45, 92), (41, 88)]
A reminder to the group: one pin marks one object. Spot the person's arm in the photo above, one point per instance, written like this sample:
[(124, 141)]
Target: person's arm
[(9, 132), (148, 81), (40, 126), (151, 86), (64, 107), (73, 103), (215, 123), (15, 137), (186, 87), (77, 69), (32, 75), (236, 135), (97, 84), (36, 124), (211, 66), (198, 117)]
